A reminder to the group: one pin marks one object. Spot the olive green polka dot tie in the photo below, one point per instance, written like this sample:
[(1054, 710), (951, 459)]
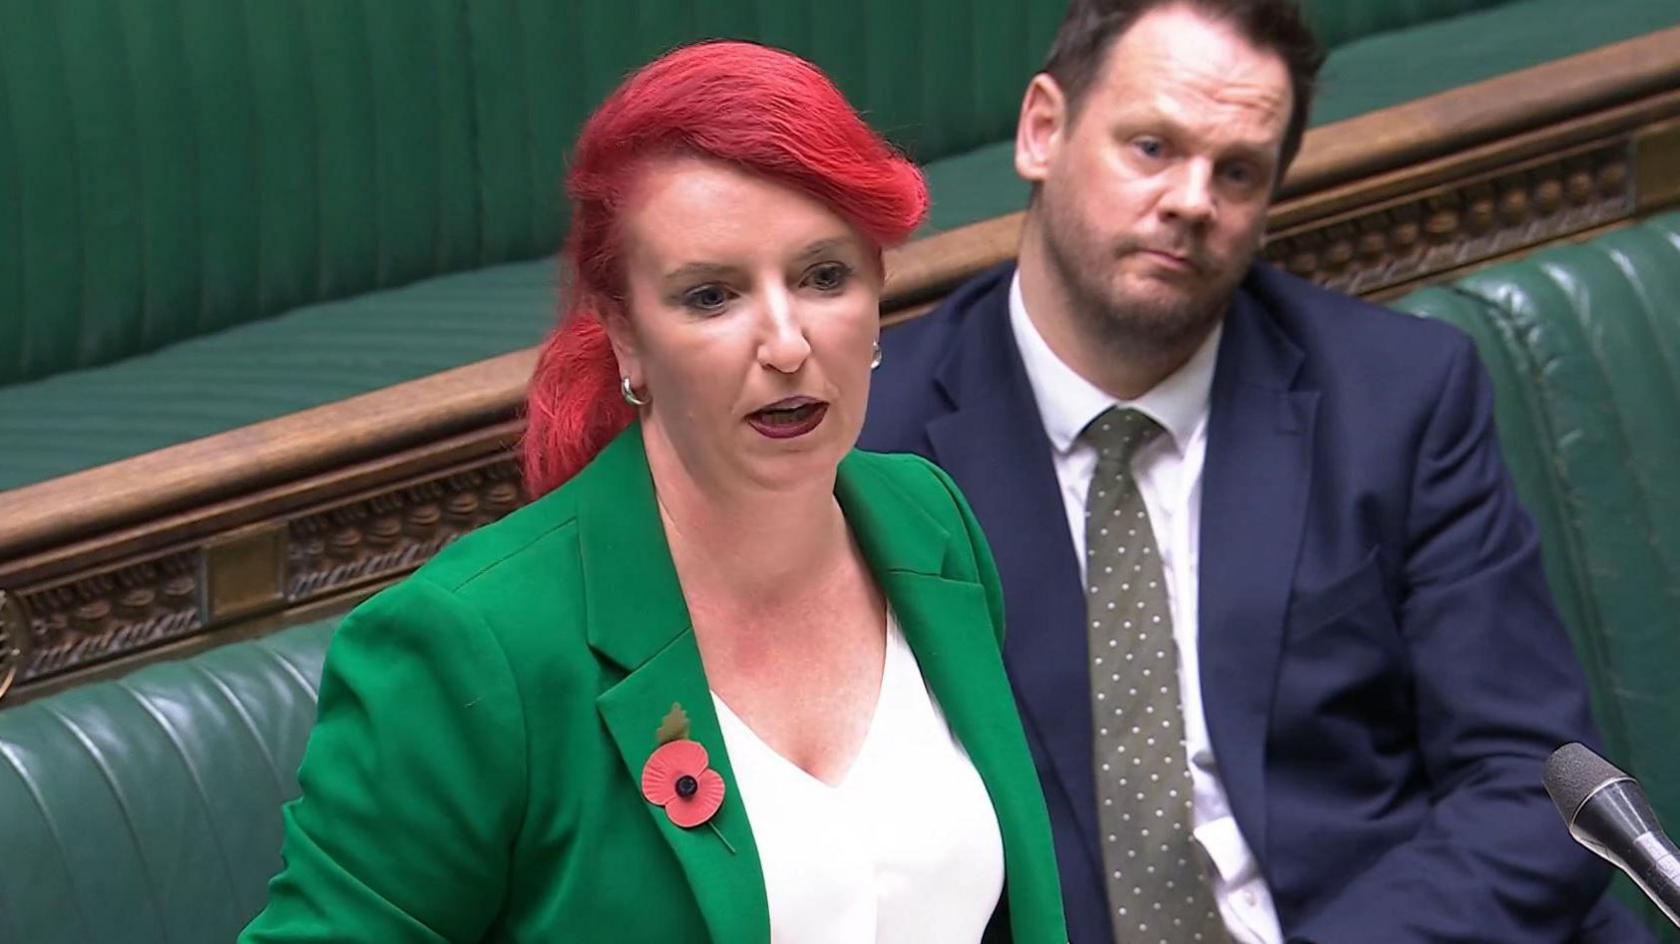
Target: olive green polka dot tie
[(1157, 890)]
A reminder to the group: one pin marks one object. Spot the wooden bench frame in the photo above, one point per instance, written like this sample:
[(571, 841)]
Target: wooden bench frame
[(303, 515)]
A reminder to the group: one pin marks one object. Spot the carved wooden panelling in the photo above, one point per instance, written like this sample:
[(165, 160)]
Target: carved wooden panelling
[(105, 615), (1450, 227), (11, 638), (57, 629), (391, 534)]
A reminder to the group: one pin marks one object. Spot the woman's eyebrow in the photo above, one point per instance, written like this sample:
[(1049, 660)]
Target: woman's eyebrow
[(719, 270), (700, 270), (824, 246)]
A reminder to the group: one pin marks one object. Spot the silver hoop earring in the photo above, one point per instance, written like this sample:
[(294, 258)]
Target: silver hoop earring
[(629, 393), (875, 361)]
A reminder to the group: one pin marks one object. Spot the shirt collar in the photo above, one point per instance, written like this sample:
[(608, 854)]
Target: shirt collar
[(1068, 402)]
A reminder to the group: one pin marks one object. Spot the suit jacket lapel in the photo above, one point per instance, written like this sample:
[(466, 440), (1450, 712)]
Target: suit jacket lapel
[(639, 622), (994, 445), (947, 624), (1255, 482)]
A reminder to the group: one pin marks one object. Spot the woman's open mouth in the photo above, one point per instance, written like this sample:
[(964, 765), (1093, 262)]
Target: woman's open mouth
[(786, 419)]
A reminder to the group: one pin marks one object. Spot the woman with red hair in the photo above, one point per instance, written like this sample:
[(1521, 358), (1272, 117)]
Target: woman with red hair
[(726, 678)]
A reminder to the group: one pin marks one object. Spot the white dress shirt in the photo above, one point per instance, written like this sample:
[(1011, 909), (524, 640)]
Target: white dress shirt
[(904, 850), (1169, 476)]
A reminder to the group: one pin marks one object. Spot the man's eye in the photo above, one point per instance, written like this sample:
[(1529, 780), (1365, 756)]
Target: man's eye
[(829, 276), (706, 298), (1241, 174), (1150, 147)]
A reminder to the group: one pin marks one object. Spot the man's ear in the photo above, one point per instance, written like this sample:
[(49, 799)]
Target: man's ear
[(1041, 128)]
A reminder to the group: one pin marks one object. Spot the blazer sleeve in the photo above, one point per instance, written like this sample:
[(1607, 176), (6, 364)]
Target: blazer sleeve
[(412, 782), (1496, 688)]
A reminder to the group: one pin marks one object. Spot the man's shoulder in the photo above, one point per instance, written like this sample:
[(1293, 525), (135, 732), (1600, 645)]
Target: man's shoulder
[(905, 393), (1325, 322), (1365, 355), (913, 347)]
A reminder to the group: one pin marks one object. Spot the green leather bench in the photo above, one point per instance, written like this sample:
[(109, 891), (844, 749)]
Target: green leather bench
[(212, 215), (148, 809), (1583, 343)]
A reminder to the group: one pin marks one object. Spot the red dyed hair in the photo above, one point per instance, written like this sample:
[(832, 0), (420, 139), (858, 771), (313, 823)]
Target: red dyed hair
[(765, 110)]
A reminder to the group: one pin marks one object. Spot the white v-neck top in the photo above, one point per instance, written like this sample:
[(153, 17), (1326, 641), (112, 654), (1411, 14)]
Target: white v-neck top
[(905, 850)]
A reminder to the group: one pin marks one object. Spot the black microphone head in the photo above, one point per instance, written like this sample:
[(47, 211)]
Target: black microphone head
[(1573, 773)]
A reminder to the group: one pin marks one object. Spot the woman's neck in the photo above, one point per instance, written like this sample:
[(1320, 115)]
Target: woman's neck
[(746, 542)]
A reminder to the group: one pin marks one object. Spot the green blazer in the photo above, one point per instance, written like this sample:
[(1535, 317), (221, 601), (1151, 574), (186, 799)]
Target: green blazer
[(474, 772)]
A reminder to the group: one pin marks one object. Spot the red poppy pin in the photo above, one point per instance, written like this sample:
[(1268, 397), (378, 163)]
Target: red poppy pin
[(677, 779)]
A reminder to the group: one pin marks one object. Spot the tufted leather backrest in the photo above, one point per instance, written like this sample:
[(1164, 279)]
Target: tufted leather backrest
[(1525, 435), (1583, 342), (1341, 21), (147, 810), (168, 169), (936, 76)]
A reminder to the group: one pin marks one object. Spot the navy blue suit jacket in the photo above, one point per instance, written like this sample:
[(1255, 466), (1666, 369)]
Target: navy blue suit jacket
[(1382, 671)]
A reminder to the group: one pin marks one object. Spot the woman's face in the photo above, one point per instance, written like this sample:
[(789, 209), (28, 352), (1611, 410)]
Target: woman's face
[(752, 313)]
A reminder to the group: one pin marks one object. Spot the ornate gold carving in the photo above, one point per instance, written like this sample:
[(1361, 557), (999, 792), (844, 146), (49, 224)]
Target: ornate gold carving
[(102, 616), (391, 534), (1449, 227)]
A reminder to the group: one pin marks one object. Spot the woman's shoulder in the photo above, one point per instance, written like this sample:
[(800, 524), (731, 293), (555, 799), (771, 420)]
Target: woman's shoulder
[(931, 491), (904, 471), (909, 475), (516, 572), (528, 537)]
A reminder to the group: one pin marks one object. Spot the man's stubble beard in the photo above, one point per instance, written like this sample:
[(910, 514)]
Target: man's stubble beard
[(1125, 324)]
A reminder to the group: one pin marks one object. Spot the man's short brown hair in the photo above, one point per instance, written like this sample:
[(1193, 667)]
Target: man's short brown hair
[(1091, 27)]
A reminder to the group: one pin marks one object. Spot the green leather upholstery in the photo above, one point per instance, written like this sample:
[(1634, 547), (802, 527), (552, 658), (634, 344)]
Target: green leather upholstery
[(1527, 437), (1583, 343), (314, 355), (1337, 21), (303, 358), (363, 170), (938, 77), (1387, 68), (168, 169), (147, 810)]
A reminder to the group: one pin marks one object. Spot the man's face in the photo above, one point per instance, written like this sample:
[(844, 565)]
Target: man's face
[(1152, 198)]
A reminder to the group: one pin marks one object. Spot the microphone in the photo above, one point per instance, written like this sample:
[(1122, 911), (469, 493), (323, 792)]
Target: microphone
[(1607, 812)]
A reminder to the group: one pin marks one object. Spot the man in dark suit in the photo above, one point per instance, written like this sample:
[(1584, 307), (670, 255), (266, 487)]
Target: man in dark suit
[(1276, 623)]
